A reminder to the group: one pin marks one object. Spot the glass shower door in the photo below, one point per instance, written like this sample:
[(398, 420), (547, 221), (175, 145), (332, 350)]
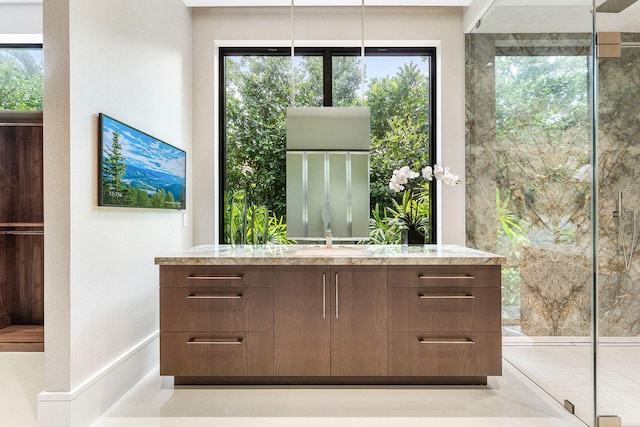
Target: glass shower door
[(529, 186), (618, 248)]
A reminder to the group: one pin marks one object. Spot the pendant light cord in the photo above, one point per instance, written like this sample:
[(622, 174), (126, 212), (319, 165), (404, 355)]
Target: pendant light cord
[(361, 52), (293, 61), (293, 57)]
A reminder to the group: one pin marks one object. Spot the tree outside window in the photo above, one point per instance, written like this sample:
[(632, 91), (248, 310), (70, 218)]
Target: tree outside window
[(21, 78), (257, 91)]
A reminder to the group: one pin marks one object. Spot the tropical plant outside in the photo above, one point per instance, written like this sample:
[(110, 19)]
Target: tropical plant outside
[(382, 231), (21, 79), (258, 92)]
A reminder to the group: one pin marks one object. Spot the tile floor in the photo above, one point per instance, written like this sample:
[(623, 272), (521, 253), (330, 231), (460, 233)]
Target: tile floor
[(511, 400), (21, 379), (565, 371)]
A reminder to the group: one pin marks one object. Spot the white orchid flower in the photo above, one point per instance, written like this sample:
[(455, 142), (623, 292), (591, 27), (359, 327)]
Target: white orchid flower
[(450, 178), (427, 173), (400, 177), (438, 171), (395, 186)]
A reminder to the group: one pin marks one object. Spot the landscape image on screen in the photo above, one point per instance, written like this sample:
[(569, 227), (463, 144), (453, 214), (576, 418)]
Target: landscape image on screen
[(138, 170)]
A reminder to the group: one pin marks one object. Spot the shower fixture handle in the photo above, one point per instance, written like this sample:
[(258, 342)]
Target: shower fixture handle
[(627, 252)]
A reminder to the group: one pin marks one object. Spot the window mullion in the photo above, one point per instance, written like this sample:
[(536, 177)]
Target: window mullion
[(327, 79)]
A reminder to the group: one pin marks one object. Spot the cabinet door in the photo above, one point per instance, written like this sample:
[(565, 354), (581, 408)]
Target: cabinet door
[(301, 340), (445, 353), (216, 309), (216, 276), (358, 321), (444, 309), (193, 354)]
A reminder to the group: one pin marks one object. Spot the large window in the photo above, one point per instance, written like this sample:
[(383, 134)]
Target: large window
[(21, 80), (255, 91)]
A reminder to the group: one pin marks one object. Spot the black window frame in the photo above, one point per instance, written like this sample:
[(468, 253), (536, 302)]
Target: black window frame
[(327, 53)]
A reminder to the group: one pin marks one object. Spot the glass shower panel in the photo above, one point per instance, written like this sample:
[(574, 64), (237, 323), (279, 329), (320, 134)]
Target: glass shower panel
[(529, 189), (618, 248)]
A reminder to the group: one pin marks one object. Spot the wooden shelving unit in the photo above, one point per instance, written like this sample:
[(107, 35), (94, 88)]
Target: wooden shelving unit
[(22, 338), (21, 232)]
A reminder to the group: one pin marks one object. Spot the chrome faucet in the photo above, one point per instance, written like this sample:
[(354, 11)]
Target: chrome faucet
[(329, 238)]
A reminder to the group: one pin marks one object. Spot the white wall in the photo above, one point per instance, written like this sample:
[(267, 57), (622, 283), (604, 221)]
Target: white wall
[(20, 19), (132, 61), (441, 27)]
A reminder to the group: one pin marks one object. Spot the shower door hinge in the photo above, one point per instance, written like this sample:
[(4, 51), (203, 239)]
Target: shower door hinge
[(569, 406), (609, 421), (608, 45)]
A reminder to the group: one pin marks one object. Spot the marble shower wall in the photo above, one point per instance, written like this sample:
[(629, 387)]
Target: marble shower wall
[(619, 170), (555, 280), (480, 147), (556, 291)]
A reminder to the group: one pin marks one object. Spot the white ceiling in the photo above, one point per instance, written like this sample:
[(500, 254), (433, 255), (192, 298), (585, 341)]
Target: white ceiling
[(241, 3), (503, 16), (525, 16)]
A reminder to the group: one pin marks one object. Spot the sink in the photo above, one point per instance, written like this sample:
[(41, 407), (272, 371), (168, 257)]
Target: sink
[(332, 251)]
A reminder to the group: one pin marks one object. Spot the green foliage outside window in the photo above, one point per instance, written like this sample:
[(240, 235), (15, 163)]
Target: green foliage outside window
[(400, 127), (258, 91), (21, 81)]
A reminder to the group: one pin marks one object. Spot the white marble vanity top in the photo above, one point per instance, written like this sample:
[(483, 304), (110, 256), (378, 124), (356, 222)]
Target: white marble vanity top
[(336, 255)]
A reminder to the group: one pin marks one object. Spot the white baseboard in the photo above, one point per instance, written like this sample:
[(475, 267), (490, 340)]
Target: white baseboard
[(82, 406)]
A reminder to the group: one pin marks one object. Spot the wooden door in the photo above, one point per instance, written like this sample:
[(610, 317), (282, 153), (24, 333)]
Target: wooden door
[(358, 321), (301, 330)]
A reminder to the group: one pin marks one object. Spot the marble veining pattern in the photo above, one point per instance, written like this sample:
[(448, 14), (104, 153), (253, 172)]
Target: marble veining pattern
[(556, 293), (338, 255), (556, 298), (480, 147), (619, 170)]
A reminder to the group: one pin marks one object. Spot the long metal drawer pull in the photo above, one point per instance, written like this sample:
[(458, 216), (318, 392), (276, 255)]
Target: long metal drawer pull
[(234, 341), (445, 341), (466, 276), (197, 296), (337, 292), (194, 277), (422, 296), (324, 295)]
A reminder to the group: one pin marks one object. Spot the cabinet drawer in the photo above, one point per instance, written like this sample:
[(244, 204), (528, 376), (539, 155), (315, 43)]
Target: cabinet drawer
[(216, 309), (444, 276), (216, 354), (445, 354), (444, 309), (216, 275)]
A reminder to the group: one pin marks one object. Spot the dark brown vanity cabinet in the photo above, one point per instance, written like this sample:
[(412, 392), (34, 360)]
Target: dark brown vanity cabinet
[(216, 321), (330, 321), (302, 321), (369, 324), (444, 321)]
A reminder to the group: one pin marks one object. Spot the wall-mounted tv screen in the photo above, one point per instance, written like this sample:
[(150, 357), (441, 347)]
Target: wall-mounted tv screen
[(138, 170)]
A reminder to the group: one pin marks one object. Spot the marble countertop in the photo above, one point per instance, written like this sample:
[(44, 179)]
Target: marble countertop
[(337, 255)]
